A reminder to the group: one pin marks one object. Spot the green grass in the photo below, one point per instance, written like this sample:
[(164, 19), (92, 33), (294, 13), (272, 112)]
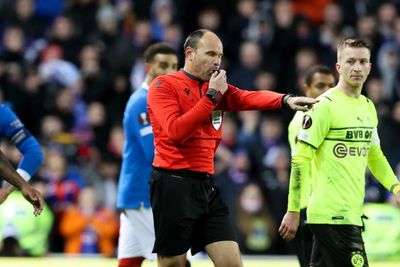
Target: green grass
[(99, 262)]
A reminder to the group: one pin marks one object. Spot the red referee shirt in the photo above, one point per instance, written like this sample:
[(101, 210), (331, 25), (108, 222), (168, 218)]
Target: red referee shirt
[(187, 125)]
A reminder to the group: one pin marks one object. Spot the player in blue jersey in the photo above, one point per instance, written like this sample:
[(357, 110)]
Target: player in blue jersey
[(14, 130), (136, 237)]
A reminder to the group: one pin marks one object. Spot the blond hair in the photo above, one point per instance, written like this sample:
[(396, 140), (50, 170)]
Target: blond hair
[(351, 42)]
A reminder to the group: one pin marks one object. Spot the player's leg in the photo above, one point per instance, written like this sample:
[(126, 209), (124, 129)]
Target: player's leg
[(129, 250), (130, 262), (172, 261), (176, 209), (316, 257), (303, 241), (142, 220), (224, 254), (340, 245), (215, 232)]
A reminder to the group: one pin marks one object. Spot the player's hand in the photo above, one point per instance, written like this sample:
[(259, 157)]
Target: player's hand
[(289, 225), (397, 197), (34, 197), (300, 103), (218, 81), (4, 193)]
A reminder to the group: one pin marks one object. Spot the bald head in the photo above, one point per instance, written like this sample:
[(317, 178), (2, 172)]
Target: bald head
[(203, 53), (193, 39)]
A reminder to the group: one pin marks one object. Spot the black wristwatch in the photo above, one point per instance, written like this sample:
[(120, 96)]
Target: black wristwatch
[(213, 95)]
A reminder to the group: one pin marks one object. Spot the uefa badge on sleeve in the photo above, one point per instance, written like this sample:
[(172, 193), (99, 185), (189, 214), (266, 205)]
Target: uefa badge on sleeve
[(307, 122)]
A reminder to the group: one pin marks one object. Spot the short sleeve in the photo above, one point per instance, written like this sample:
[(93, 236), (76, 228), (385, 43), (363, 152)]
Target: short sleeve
[(315, 124)]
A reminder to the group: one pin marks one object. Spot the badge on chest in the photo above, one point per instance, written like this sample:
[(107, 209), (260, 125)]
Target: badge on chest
[(216, 119)]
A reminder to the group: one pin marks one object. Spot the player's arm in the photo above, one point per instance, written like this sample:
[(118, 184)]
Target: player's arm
[(236, 99), (166, 109), (8, 173), (315, 127), (381, 169), (32, 156), (138, 124), (293, 131), (300, 170)]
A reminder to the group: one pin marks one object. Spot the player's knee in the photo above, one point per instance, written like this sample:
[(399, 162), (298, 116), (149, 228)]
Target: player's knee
[(175, 261), (229, 263)]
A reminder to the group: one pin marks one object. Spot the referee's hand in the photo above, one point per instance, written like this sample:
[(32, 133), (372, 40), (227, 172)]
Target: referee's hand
[(300, 103), (289, 225)]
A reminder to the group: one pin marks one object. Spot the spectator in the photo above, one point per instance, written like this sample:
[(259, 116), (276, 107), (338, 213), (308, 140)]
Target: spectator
[(255, 224), (88, 227), (23, 234)]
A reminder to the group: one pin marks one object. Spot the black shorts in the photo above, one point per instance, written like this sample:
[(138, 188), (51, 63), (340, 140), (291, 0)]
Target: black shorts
[(303, 240), (188, 212), (337, 245)]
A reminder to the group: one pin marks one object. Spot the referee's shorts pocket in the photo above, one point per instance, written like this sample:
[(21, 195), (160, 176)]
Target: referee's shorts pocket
[(154, 186)]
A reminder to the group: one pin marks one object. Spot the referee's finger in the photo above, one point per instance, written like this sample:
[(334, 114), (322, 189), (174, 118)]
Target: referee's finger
[(303, 108)]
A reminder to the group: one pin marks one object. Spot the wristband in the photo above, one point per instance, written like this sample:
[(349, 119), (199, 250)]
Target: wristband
[(395, 188), (24, 174), (285, 99)]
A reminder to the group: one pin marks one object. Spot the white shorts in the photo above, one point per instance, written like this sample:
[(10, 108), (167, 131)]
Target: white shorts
[(136, 234)]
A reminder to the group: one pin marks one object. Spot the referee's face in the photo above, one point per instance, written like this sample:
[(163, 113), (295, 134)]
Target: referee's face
[(207, 56)]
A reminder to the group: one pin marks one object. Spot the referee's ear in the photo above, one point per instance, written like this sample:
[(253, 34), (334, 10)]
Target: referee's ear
[(189, 53)]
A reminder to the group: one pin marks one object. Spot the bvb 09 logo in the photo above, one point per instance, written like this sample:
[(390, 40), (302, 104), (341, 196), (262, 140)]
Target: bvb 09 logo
[(357, 259)]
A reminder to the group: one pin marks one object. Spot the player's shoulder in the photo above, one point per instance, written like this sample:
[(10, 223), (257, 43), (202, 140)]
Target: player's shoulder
[(4, 107), (368, 101), (298, 116), (163, 82), (170, 78), (6, 111), (137, 99), (140, 95), (328, 97), (325, 101)]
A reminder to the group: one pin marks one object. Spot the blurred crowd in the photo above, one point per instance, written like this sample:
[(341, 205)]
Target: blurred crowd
[(67, 68)]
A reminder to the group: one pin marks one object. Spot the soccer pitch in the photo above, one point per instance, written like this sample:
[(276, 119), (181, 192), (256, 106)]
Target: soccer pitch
[(101, 262)]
